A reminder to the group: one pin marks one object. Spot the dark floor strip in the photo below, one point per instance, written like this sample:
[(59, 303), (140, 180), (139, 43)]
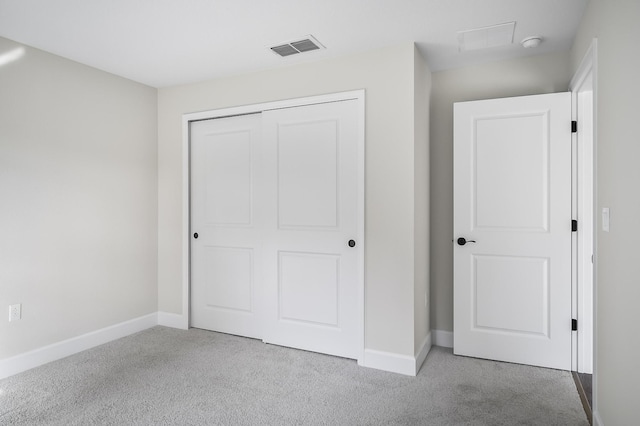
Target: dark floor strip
[(587, 384), (584, 390)]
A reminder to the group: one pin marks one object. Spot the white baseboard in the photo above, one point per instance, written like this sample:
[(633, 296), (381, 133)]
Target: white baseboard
[(597, 421), (442, 338), (55, 351), (168, 319), (422, 353), (388, 361)]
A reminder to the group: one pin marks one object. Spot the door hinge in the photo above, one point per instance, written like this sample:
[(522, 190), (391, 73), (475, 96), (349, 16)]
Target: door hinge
[(574, 225), (574, 126), (574, 325)]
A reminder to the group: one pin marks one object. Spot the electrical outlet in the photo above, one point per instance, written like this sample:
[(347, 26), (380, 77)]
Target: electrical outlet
[(15, 312)]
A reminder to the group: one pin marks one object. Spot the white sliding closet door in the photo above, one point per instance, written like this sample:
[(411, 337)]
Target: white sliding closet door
[(275, 206), (310, 247), (226, 233)]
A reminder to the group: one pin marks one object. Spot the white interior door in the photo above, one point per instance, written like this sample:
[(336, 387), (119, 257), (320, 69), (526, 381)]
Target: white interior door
[(226, 238), (512, 203), (310, 270)]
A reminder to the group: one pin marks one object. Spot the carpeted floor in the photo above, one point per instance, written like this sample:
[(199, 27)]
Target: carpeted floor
[(165, 376)]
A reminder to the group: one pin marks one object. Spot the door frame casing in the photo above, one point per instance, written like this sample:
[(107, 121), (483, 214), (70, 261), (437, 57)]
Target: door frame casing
[(586, 199), (356, 95)]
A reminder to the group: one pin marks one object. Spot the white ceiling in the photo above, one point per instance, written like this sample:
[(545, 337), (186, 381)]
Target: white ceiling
[(169, 42)]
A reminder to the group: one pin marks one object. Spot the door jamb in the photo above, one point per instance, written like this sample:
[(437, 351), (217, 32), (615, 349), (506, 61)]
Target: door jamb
[(357, 95), (586, 202)]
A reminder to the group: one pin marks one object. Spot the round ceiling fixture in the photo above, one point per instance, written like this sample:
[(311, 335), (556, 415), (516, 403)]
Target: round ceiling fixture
[(530, 42)]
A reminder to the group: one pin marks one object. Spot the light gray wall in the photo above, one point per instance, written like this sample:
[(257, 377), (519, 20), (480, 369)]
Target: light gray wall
[(78, 203), (525, 76), (387, 75), (422, 89), (617, 381)]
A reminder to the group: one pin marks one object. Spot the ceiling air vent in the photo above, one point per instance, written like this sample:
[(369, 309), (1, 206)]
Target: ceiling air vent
[(306, 44)]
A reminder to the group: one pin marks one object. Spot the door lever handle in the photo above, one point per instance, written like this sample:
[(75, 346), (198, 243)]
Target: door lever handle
[(462, 241)]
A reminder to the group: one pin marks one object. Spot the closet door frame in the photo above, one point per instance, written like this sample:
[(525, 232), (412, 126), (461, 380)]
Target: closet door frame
[(359, 97)]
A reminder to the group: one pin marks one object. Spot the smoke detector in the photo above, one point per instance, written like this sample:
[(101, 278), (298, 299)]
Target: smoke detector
[(530, 42), (304, 44)]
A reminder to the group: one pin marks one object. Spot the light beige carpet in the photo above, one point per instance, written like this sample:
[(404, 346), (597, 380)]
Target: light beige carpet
[(164, 376)]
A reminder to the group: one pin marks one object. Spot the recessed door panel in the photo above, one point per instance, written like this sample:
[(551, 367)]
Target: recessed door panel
[(309, 288), (228, 182), (521, 287), (229, 278), (512, 159), (308, 174)]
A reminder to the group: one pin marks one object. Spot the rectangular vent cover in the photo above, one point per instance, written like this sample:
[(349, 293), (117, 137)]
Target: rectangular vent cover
[(307, 44), (487, 37)]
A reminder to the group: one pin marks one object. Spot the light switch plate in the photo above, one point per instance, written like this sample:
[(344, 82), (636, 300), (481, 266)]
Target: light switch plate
[(605, 219)]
